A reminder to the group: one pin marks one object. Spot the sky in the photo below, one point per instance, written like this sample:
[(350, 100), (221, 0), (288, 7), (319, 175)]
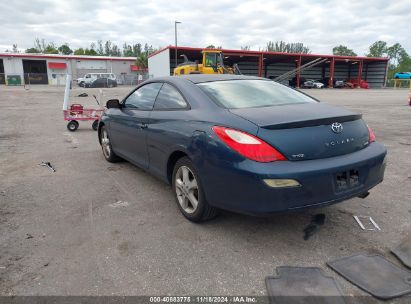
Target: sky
[(320, 25)]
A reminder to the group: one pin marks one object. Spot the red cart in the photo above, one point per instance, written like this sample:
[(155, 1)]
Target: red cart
[(77, 113)]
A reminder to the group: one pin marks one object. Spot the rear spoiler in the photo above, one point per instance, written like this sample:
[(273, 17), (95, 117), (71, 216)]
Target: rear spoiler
[(312, 122)]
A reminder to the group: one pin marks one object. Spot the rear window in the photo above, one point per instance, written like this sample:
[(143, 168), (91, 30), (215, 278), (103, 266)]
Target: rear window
[(237, 94)]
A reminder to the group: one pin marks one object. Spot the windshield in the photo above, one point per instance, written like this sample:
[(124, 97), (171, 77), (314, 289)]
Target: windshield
[(210, 60), (237, 94)]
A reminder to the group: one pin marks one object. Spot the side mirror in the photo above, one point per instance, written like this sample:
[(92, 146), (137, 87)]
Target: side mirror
[(113, 103)]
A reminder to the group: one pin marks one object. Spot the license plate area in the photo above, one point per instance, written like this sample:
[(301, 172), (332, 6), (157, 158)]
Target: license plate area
[(347, 180)]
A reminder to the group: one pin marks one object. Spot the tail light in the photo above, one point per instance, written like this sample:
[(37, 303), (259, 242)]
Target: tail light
[(248, 145), (371, 135)]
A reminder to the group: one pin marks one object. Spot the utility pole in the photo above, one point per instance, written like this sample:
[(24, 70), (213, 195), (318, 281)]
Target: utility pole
[(175, 34)]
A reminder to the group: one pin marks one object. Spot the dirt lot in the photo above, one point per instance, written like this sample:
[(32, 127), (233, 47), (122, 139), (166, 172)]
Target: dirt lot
[(62, 233)]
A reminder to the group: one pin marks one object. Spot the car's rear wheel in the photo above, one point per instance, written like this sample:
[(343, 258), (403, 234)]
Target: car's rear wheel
[(108, 153), (189, 193)]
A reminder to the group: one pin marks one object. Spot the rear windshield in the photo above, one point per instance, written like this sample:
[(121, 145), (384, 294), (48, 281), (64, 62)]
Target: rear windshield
[(237, 94)]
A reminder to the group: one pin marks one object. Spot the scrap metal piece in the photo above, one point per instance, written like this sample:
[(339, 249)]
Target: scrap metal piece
[(370, 219), (48, 165)]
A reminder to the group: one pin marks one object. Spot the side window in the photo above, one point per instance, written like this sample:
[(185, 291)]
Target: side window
[(169, 99), (144, 97)]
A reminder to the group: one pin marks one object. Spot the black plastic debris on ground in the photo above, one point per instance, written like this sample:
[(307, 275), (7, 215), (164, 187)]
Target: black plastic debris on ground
[(82, 95), (374, 274), (48, 165), (316, 221), (403, 252), (303, 285)]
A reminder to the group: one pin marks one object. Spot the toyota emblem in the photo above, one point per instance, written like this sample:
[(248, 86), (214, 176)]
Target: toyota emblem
[(337, 127)]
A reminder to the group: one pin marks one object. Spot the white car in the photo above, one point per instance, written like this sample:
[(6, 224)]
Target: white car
[(90, 77), (311, 83), (318, 85)]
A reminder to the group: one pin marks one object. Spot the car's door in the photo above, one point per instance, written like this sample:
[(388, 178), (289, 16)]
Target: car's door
[(168, 127), (128, 124)]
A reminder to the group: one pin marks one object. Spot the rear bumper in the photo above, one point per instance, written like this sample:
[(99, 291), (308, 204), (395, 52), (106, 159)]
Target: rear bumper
[(239, 186)]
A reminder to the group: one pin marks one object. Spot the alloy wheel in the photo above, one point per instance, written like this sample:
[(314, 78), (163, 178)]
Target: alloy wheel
[(186, 188), (105, 144)]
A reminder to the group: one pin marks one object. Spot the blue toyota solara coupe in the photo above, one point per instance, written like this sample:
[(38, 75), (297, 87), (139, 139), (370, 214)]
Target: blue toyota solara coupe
[(242, 143)]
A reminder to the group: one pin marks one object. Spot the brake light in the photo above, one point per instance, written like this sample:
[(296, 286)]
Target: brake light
[(248, 145), (371, 135)]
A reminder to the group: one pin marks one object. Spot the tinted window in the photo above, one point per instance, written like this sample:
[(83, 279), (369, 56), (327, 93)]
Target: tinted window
[(234, 94), (169, 98), (143, 98)]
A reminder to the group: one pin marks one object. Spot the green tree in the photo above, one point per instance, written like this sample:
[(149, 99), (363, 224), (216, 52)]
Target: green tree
[(127, 50), (50, 50), (284, 47), (41, 46), (79, 51), (100, 49), (32, 50), (396, 52), (65, 49), (342, 50), (115, 51), (378, 49), (142, 58), (136, 49), (90, 52), (107, 48), (142, 61)]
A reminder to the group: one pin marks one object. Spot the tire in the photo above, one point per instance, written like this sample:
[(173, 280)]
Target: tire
[(72, 125), (95, 125), (187, 189), (108, 152), (81, 84)]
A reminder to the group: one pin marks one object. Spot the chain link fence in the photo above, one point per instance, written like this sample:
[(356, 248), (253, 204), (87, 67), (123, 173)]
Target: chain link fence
[(59, 79)]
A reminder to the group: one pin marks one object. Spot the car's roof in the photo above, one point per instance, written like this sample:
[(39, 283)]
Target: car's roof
[(199, 78)]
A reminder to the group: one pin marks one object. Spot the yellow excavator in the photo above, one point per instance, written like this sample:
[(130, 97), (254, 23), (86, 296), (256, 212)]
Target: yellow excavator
[(212, 63)]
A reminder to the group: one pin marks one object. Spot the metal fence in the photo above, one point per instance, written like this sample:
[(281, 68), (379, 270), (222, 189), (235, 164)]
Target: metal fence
[(59, 79)]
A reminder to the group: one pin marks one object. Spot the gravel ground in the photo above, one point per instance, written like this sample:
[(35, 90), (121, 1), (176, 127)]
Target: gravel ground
[(63, 233)]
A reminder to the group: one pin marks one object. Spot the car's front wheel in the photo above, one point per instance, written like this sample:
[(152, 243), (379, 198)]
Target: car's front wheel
[(108, 153), (189, 193)]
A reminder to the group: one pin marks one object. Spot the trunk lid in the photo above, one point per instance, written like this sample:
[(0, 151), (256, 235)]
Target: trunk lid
[(304, 131)]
